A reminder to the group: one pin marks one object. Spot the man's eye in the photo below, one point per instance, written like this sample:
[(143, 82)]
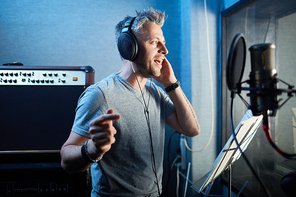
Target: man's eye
[(154, 42)]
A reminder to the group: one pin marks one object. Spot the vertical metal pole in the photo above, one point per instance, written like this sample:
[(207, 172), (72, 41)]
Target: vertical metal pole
[(229, 180)]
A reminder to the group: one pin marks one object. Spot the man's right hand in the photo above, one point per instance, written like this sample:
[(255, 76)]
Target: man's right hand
[(102, 134)]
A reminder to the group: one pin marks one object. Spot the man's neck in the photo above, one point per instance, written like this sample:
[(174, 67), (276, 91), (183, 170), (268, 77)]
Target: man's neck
[(128, 72)]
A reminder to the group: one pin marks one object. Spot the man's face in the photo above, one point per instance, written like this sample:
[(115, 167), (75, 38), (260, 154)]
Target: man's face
[(151, 50)]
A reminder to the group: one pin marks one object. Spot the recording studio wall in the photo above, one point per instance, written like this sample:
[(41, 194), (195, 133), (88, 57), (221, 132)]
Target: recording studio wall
[(72, 32)]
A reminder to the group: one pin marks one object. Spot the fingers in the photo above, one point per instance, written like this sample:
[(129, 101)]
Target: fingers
[(109, 116), (104, 137), (166, 61), (110, 111), (104, 123), (102, 130)]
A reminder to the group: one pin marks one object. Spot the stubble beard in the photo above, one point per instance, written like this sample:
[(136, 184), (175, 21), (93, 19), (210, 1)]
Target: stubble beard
[(146, 68)]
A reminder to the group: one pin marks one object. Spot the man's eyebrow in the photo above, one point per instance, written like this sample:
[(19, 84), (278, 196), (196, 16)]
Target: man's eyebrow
[(157, 38)]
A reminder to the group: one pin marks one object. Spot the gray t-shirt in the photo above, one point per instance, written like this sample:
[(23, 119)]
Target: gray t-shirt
[(126, 170)]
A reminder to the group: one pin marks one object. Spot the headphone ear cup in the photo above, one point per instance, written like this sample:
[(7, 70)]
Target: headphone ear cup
[(127, 46)]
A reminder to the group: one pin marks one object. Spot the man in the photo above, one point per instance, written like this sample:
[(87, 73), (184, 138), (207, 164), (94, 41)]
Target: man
[(120, 121)]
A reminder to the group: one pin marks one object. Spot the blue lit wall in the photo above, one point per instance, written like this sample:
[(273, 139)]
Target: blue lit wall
[(229, 3), (67, 33)]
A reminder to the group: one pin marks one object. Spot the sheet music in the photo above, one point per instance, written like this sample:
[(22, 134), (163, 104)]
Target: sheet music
[(245, 131)]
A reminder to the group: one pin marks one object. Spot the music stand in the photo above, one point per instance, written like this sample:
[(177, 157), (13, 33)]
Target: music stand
[(230, 153)]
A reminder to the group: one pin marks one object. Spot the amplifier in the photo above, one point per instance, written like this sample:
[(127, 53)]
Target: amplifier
[(38, 106), (37, 109)]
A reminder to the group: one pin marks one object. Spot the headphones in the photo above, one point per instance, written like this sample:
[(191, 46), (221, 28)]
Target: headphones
[(127, 43)]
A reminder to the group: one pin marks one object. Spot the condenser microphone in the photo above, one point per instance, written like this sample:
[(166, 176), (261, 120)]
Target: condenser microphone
[(263, 81)]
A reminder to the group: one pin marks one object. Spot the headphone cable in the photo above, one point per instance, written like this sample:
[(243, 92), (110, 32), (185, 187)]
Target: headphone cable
[(146, 112)]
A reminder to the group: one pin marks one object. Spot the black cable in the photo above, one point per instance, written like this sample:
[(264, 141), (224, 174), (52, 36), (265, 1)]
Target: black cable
[(272, 143), (146, 112), (152, 152), (242, 153)]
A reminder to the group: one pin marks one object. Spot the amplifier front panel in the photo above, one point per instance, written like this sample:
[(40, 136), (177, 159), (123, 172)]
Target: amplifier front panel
[(37, 106), (42, 77)]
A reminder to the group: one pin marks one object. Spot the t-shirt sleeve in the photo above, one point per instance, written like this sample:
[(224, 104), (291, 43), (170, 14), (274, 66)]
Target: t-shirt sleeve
[(91, 104)]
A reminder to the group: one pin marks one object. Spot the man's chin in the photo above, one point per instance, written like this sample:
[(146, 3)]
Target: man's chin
[(156, 74)]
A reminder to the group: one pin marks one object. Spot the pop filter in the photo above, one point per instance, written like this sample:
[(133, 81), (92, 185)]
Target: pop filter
[(236, 62)]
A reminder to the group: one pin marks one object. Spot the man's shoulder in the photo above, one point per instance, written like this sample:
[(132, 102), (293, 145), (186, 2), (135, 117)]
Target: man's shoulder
[(106, 82)]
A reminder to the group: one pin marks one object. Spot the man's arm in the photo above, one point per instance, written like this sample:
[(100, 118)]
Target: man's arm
[(72, 160), (102, 134), (184, 119)]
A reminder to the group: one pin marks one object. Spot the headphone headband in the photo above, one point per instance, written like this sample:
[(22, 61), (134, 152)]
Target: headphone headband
[(128, 25)]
